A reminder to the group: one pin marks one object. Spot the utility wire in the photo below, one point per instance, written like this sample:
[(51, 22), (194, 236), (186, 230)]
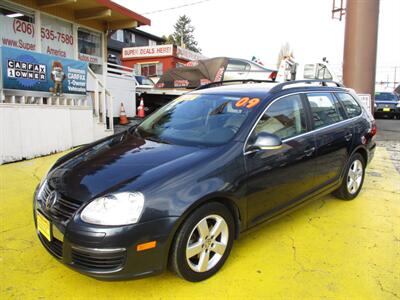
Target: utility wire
[(175, 7)]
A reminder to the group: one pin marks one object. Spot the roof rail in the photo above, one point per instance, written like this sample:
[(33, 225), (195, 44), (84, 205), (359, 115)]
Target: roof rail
[(219, 83), (280, 86)]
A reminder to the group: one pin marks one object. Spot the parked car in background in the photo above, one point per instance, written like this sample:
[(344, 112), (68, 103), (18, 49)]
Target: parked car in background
[(143, 83), (177, 189), (238, 68), (386, 104), (289, 69)]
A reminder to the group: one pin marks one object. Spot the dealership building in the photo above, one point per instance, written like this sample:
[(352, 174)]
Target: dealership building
[(154, 61), (55, 89)]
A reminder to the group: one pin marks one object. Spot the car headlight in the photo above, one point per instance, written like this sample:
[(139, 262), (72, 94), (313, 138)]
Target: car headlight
[(114, 209), (398, 104)]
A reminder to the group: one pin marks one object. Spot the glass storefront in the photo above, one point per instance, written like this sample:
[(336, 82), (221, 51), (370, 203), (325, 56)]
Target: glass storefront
[(57, 37), (17, 28), (90, 49)]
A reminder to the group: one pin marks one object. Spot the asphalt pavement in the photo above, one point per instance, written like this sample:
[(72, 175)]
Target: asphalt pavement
[(388, 130), (388, 136)]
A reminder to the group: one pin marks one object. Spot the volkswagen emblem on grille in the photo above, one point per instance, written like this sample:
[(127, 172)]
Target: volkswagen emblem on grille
[(51, 199)]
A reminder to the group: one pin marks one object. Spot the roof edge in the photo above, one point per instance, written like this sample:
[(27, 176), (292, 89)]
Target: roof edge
[(125, 11)]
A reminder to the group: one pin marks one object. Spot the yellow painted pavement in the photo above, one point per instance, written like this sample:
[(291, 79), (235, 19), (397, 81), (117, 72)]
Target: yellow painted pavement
[(329, 249)]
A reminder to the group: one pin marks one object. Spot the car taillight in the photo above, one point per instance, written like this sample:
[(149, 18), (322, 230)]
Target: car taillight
[(373, 129), (272, 76)]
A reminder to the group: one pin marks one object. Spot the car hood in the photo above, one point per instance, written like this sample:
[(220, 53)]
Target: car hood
[(383, 102), (118, 162)]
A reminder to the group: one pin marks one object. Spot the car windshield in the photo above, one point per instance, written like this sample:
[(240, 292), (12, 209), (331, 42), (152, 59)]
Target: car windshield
[(144, 80), (385, 97), (198, 119)]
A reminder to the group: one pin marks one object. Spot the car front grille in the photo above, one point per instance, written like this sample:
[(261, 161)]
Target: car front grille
[(55, 246), (64, 208), (107, 261)]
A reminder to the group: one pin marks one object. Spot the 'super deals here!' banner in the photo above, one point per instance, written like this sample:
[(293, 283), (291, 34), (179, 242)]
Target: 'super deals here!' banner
[(25, 70)]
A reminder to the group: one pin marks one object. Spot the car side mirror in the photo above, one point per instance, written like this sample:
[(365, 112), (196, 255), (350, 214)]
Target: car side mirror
[(266, 141)]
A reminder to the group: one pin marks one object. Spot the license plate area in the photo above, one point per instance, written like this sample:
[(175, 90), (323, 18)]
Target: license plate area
[(386, 109), (43, 225)]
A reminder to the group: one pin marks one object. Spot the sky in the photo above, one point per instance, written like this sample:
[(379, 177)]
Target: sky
[(260, 27)]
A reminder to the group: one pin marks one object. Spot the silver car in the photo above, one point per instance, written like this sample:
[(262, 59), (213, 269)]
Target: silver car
[(244, 69)]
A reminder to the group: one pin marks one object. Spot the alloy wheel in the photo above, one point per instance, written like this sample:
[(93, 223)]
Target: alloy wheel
[(207, 243), (355, 176)]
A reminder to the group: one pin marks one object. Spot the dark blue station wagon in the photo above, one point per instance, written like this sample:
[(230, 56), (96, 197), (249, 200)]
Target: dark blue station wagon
[(176, 190)]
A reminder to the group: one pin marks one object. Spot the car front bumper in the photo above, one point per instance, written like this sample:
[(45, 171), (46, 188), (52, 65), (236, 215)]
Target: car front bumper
[(387, 110), (108, 253)]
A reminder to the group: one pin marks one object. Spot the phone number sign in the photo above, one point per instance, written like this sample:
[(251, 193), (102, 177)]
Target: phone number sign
[(56, 35)]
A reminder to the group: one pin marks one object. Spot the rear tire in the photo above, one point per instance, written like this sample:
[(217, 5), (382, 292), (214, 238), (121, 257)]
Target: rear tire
[(203, 242), (353, 179)]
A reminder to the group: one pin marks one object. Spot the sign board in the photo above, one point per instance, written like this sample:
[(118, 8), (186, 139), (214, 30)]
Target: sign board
[(188, 54), (365, 100), (26, 70), (57, 38), (150, 51), (17, 33)]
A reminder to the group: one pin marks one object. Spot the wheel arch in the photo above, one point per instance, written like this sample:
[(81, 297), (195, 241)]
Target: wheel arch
[(228, 202)]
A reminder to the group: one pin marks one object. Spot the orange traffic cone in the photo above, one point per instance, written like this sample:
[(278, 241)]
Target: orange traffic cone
[(141, 113), (123, 120)]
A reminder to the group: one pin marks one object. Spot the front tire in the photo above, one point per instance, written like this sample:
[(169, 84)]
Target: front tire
[(203, 242), (353, 179)]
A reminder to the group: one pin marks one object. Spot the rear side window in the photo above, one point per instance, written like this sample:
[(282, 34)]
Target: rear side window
[(325, 109), (309, 71), (237, 65), (323, 73), (284, 118), (351, 106)]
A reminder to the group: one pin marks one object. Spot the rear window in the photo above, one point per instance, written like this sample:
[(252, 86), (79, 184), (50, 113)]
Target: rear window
[(325, 109), (351, 106)]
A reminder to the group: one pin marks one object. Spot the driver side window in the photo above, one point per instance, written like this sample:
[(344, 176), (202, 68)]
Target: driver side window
[(284, 118)]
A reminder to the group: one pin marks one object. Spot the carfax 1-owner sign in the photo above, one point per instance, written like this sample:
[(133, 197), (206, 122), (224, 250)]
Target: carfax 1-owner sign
[(26, 70)]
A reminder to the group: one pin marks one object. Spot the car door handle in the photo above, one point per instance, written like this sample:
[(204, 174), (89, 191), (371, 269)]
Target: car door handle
[(309, 152), (348, 136)]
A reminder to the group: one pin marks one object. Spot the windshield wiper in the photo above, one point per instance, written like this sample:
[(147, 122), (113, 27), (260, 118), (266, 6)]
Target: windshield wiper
[(157, 140)]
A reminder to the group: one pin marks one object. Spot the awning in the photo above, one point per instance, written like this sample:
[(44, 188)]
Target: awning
[(113, 15)]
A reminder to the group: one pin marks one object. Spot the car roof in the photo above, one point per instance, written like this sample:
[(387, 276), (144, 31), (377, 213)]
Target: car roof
[(261, 90)]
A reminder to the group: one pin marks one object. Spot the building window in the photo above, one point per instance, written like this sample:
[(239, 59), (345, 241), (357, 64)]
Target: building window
[(90, 49), (57, 37), (16, 13), (17, 27), (152, 43), (133, 38), (150, 70), (118, 35)]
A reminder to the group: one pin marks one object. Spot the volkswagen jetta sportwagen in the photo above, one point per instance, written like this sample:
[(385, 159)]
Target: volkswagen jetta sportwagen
[(177, 189)]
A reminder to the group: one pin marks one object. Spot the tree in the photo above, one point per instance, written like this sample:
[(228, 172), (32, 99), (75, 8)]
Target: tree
[(183, 35), (285, 52), (169, 39)]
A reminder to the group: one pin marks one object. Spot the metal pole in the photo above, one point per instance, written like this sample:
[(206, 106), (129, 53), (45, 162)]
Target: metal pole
[(360, 46)]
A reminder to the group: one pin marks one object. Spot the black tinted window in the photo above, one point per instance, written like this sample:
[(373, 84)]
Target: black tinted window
[(285, 118), (325, 109), (351, 106)]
